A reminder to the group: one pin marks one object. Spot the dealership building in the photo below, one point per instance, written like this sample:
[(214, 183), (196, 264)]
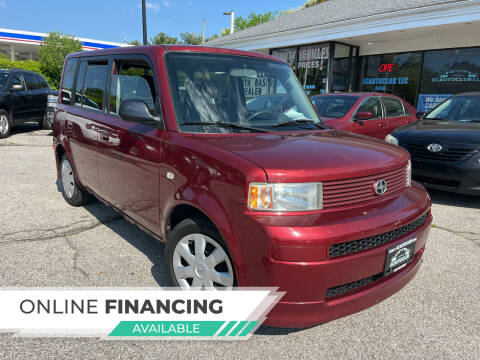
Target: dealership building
[(24, 45), (421, 50)]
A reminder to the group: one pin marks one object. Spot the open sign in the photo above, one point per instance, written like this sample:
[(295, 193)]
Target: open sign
[(389, 67)]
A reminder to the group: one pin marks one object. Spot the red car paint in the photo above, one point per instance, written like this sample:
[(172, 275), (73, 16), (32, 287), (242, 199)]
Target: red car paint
[(378, 127), (125, 164)]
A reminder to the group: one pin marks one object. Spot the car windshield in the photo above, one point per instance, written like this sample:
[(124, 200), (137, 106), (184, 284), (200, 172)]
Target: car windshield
[(3, 78), (332, 106), (457, 108), (215, 93)]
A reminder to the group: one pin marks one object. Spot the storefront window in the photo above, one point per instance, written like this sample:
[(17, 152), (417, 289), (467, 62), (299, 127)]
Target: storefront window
[(448, 72), (312, 68), (391, 73), (287, 54)]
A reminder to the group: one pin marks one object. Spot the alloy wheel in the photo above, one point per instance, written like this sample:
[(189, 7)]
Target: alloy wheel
[(4, 124), (200, 262)]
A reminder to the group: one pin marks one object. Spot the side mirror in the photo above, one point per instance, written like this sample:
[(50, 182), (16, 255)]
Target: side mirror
[(420, 114), (136, 111), (364, 115), (17, 87)]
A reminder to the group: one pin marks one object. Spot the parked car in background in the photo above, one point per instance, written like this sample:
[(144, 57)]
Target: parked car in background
[(445, 145), (52, 101), (241, 197), (371, 114), (23, 98)]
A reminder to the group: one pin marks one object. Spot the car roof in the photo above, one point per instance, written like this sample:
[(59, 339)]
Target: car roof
[(20, 70), (161, 49)]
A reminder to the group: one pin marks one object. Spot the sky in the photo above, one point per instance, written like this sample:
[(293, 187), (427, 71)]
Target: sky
[(117, 20)]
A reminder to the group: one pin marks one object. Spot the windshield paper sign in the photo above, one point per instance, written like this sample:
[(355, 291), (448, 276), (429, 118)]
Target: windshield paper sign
[(427, 102), (138, 313)]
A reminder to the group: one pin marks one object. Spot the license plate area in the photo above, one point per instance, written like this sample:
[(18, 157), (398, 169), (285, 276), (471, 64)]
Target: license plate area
[(399, 256)]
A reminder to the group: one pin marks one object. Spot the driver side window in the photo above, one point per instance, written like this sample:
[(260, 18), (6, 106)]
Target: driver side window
[(371, 105)]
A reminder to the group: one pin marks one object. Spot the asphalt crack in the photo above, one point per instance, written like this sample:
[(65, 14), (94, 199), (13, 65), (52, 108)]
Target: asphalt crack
[(54, 233), (468, 235), (76, 254)]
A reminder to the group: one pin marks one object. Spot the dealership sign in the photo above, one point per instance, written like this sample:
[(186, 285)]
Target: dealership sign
[(113, 313), (456, 76), (311, 57), (427, 102)]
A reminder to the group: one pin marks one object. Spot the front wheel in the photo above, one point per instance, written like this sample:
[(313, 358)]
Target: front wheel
[(71, 191), (4, 124), (197, 257), (45, 124)]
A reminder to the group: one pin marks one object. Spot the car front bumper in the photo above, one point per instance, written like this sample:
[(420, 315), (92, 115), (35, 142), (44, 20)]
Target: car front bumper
[(459, 177), (296, 258)]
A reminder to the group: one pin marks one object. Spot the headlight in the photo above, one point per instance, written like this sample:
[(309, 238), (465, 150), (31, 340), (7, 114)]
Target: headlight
[(52, 99), (409, 173), (285, 197), (391, 139)]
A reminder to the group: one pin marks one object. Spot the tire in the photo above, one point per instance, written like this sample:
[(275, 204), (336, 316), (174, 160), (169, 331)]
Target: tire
[(44, 124), (5, 124), (187, 270), (71, 191)]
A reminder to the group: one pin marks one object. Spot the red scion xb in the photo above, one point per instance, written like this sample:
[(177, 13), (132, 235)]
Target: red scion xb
[(371, 114), (240, 197)]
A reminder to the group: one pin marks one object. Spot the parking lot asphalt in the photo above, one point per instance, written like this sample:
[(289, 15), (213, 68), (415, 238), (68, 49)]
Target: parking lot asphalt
[(46, 242)]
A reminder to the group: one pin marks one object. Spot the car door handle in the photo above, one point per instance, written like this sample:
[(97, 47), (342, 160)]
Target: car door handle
[(382, 125)]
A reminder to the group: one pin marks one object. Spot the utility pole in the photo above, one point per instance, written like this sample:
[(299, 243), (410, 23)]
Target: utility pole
[(232, 19), (144, 20), (203, 32)]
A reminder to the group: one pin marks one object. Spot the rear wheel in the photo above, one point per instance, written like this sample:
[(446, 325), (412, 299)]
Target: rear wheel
[(4, 124), (71, 191), (197, 257)]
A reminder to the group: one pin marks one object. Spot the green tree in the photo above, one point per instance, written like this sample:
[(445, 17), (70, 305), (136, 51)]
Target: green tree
[(254, 19), (162, 38), (191, 38), (313, 2), (135, 43), (52, 55)]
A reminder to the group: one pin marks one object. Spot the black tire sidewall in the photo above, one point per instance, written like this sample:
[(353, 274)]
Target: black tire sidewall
[(195, 225)]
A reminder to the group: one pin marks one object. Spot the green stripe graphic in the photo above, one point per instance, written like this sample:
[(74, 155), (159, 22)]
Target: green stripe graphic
[(166, 328), (237, 329), (248, 328), (227, 328)]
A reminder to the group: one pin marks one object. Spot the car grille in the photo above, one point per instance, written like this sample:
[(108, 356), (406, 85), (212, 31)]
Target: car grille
[(449, 153), (352, 247), (342, 289), (355, 190)]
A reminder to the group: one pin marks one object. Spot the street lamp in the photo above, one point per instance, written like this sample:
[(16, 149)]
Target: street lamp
[(232, 18), (144, 21)]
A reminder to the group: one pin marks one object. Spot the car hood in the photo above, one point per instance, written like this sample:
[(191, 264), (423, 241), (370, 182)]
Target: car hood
[(440, 131), (314, 156)]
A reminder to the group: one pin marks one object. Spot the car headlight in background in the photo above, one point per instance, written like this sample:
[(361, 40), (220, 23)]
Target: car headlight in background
[(391, 139), (285, 197), (409, 173)]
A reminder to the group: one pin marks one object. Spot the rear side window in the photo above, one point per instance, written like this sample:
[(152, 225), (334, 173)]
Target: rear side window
[(68, 79), (41, 81), (393, 107), (18, 80), (94, 86), (371, 105), (132, 80), (31, 81)]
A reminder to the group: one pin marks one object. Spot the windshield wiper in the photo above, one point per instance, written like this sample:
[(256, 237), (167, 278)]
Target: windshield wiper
[(300, 121), (223, 124)]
